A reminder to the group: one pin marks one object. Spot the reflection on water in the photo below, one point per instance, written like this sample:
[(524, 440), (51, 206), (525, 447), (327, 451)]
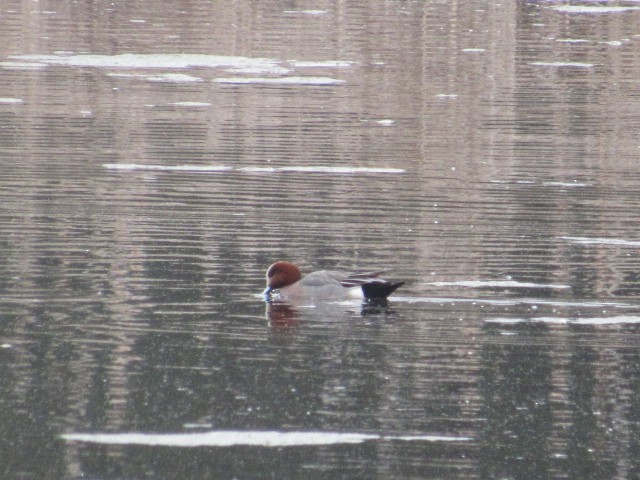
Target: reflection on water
[(156, 160)]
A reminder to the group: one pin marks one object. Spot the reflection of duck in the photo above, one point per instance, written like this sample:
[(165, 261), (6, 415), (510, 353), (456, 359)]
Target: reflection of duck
[(325, 284), (282, 315)]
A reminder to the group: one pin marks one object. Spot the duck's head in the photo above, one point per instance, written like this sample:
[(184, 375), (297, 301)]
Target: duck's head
[(280, 275)]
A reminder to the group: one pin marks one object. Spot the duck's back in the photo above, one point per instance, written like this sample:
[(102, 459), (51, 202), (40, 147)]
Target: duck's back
[(323, 284)]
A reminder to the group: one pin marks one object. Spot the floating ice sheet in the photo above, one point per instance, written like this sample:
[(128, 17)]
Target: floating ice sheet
[(306, 12), (565, 184), (260, 71), (322, 169), (593, 8), (275, 71), (191, 104), (568, 184), (614, 320), (603, 241), (167, 168), (160, 77), (514, 302), (230, 438), (572, 40), (496, 284), (300, 80), (151, 61), (563, 64), (320, 64), (22, 65), (226, 168)]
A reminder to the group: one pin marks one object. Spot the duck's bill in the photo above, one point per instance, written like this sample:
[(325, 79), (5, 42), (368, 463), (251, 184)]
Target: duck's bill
[(267, 293)]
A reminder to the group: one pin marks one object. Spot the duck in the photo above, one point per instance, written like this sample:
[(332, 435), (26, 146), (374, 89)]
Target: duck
[(285, 278)]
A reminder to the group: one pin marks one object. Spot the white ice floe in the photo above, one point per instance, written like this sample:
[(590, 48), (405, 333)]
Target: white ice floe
[(514, 301), (593, 8), (497, 284), (162, 77), (320, 64), (299, 80), (572, 184), (565, 184), (191, 104), (322, 169), (167, 168), (258, 71), (151, 61), (603, 241), (563, 64), (226, 168), (23, 65), (572, 40), (306, 12), (263, 70), (230, 438), (615, 320)]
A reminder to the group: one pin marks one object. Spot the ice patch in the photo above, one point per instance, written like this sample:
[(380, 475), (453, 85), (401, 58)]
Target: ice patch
[(22, 65), (167, 168), (248, 438), (563, 64), (152, 61), (306, 12), (173, 78), (225, 168), (10, 101), (258, 70), (616, 320), (603, 241), (234, 64), (320, 64), (165, 77), (497, 284), (513, 302), (280, 80), (565, 184), (572, 184), (191, 104), (592, 9), (321, 169), (572, 40)]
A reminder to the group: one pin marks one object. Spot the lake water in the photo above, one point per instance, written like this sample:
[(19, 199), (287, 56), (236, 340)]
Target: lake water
[(156, 158)]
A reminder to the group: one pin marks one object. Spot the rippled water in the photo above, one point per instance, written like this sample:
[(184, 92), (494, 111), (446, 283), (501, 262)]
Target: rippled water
[(156, 159)]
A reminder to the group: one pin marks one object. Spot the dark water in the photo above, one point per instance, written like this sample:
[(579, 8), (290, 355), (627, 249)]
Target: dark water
[(156, 159)]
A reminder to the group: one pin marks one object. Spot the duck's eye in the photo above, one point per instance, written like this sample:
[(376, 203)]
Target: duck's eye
[(271, 273)]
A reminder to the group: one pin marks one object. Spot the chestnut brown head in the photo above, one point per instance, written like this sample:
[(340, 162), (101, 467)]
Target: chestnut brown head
[(281, 274)]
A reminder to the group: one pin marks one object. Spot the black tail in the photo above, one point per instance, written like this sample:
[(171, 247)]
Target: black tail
[(379, 289)]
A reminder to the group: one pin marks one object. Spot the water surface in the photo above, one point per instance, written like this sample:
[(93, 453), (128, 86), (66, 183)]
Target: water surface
[(155, 160)]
